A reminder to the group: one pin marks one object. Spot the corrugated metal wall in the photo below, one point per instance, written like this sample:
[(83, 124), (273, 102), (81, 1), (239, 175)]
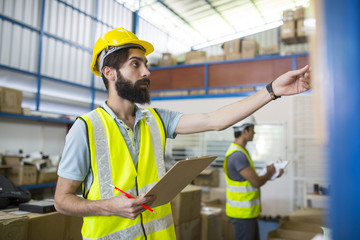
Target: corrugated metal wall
[(46, 50)]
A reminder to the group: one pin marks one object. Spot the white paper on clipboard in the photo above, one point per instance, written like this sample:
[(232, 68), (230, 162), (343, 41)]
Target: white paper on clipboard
[(177, 178)]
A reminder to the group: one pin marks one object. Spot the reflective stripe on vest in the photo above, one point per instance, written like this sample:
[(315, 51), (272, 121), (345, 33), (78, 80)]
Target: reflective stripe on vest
[(242, 199), (136, 230), (112, 164)]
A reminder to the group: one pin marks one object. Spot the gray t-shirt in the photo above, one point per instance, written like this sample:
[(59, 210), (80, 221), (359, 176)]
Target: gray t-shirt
[(235, 163), (75, 162)]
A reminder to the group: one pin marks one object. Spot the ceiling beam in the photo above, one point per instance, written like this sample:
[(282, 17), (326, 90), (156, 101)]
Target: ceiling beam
[(220, 14), (257, 8), (180, 17)]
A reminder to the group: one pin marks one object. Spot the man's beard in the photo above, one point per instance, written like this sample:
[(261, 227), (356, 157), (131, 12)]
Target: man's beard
[(132, 92)]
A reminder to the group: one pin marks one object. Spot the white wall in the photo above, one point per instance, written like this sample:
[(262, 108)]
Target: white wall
[(31, 136)]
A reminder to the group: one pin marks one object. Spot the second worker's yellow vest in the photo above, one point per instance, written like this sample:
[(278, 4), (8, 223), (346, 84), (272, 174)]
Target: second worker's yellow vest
[(242, 199), (111, 163)]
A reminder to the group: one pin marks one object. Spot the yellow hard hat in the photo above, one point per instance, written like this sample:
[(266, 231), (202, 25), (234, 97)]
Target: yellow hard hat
[(116, 38)]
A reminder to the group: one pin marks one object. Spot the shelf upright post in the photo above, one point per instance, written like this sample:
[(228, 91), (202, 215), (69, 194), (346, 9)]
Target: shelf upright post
[(206, 79), (341, 42), (41, 37), (92, 104)]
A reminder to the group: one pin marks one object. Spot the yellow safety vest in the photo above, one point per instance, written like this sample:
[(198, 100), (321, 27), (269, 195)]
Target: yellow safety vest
[(111, 163), (242, 199)]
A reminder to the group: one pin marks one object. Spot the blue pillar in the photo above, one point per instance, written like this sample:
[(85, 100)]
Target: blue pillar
[(342, 42)]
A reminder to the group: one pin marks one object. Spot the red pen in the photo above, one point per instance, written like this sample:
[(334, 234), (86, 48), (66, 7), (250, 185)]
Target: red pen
[(129, 196)]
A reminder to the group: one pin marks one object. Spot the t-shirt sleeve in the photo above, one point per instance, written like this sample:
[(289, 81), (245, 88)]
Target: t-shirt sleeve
[(235, 163), (170, 120), (75, 159)]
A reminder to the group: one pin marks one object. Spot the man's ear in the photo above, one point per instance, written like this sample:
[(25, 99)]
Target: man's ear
[(109, 73)]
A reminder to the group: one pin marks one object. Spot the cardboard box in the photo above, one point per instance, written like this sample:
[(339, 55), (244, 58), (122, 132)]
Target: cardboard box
[(288, 15), (287, 30), (301, 226), (22, 175), (186, 205), (188, 230), (12, 160), (167, 59), (216, 58), (209, 177), (268, 50), (249, 48), (300, 28), (211, 223), (232, 56), (47, 175), (299, 13), (233, 46), (286, 234), (195, 57), (307, 215), (4, 170), (13, 227), (35, 226), (10, 100)]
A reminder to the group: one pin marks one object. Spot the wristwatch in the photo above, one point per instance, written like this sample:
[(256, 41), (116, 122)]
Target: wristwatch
[(271, 92)]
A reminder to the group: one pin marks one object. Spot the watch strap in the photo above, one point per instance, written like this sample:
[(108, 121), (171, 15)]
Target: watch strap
[(271, 92)]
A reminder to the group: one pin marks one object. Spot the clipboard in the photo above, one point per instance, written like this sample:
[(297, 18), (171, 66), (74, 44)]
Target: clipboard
[(177, 178)]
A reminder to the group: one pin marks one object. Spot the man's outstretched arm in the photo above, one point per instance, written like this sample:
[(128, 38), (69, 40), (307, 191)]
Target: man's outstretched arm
[(290, 83)]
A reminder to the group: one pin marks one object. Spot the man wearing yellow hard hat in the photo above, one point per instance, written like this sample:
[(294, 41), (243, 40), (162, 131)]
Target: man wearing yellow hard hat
[(120, 144)]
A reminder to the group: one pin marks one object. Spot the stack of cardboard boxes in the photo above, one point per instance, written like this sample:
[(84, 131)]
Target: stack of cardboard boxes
[(22, 172), (186, 213), (197, 217), (240, 48), (293, 30)]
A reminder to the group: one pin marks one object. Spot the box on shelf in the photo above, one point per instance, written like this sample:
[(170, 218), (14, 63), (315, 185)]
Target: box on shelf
[(10, 100), (208, 177), (216, 58), (12, 160), (268, 50), (249, 48), (22, 175), (195, 57), (188, 230), (232, 56), (288, 30), (233, 46), (300, 28), (47, 175), (299, 13), (186, 205), (211, 226), (167, 59), (288, 15)]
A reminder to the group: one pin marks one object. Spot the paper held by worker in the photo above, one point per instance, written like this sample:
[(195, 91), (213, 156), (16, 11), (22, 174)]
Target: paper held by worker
[(278, 165), (177, 178)]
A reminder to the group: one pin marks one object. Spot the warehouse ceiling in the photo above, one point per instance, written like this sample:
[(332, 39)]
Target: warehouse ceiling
[(200, 23)]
